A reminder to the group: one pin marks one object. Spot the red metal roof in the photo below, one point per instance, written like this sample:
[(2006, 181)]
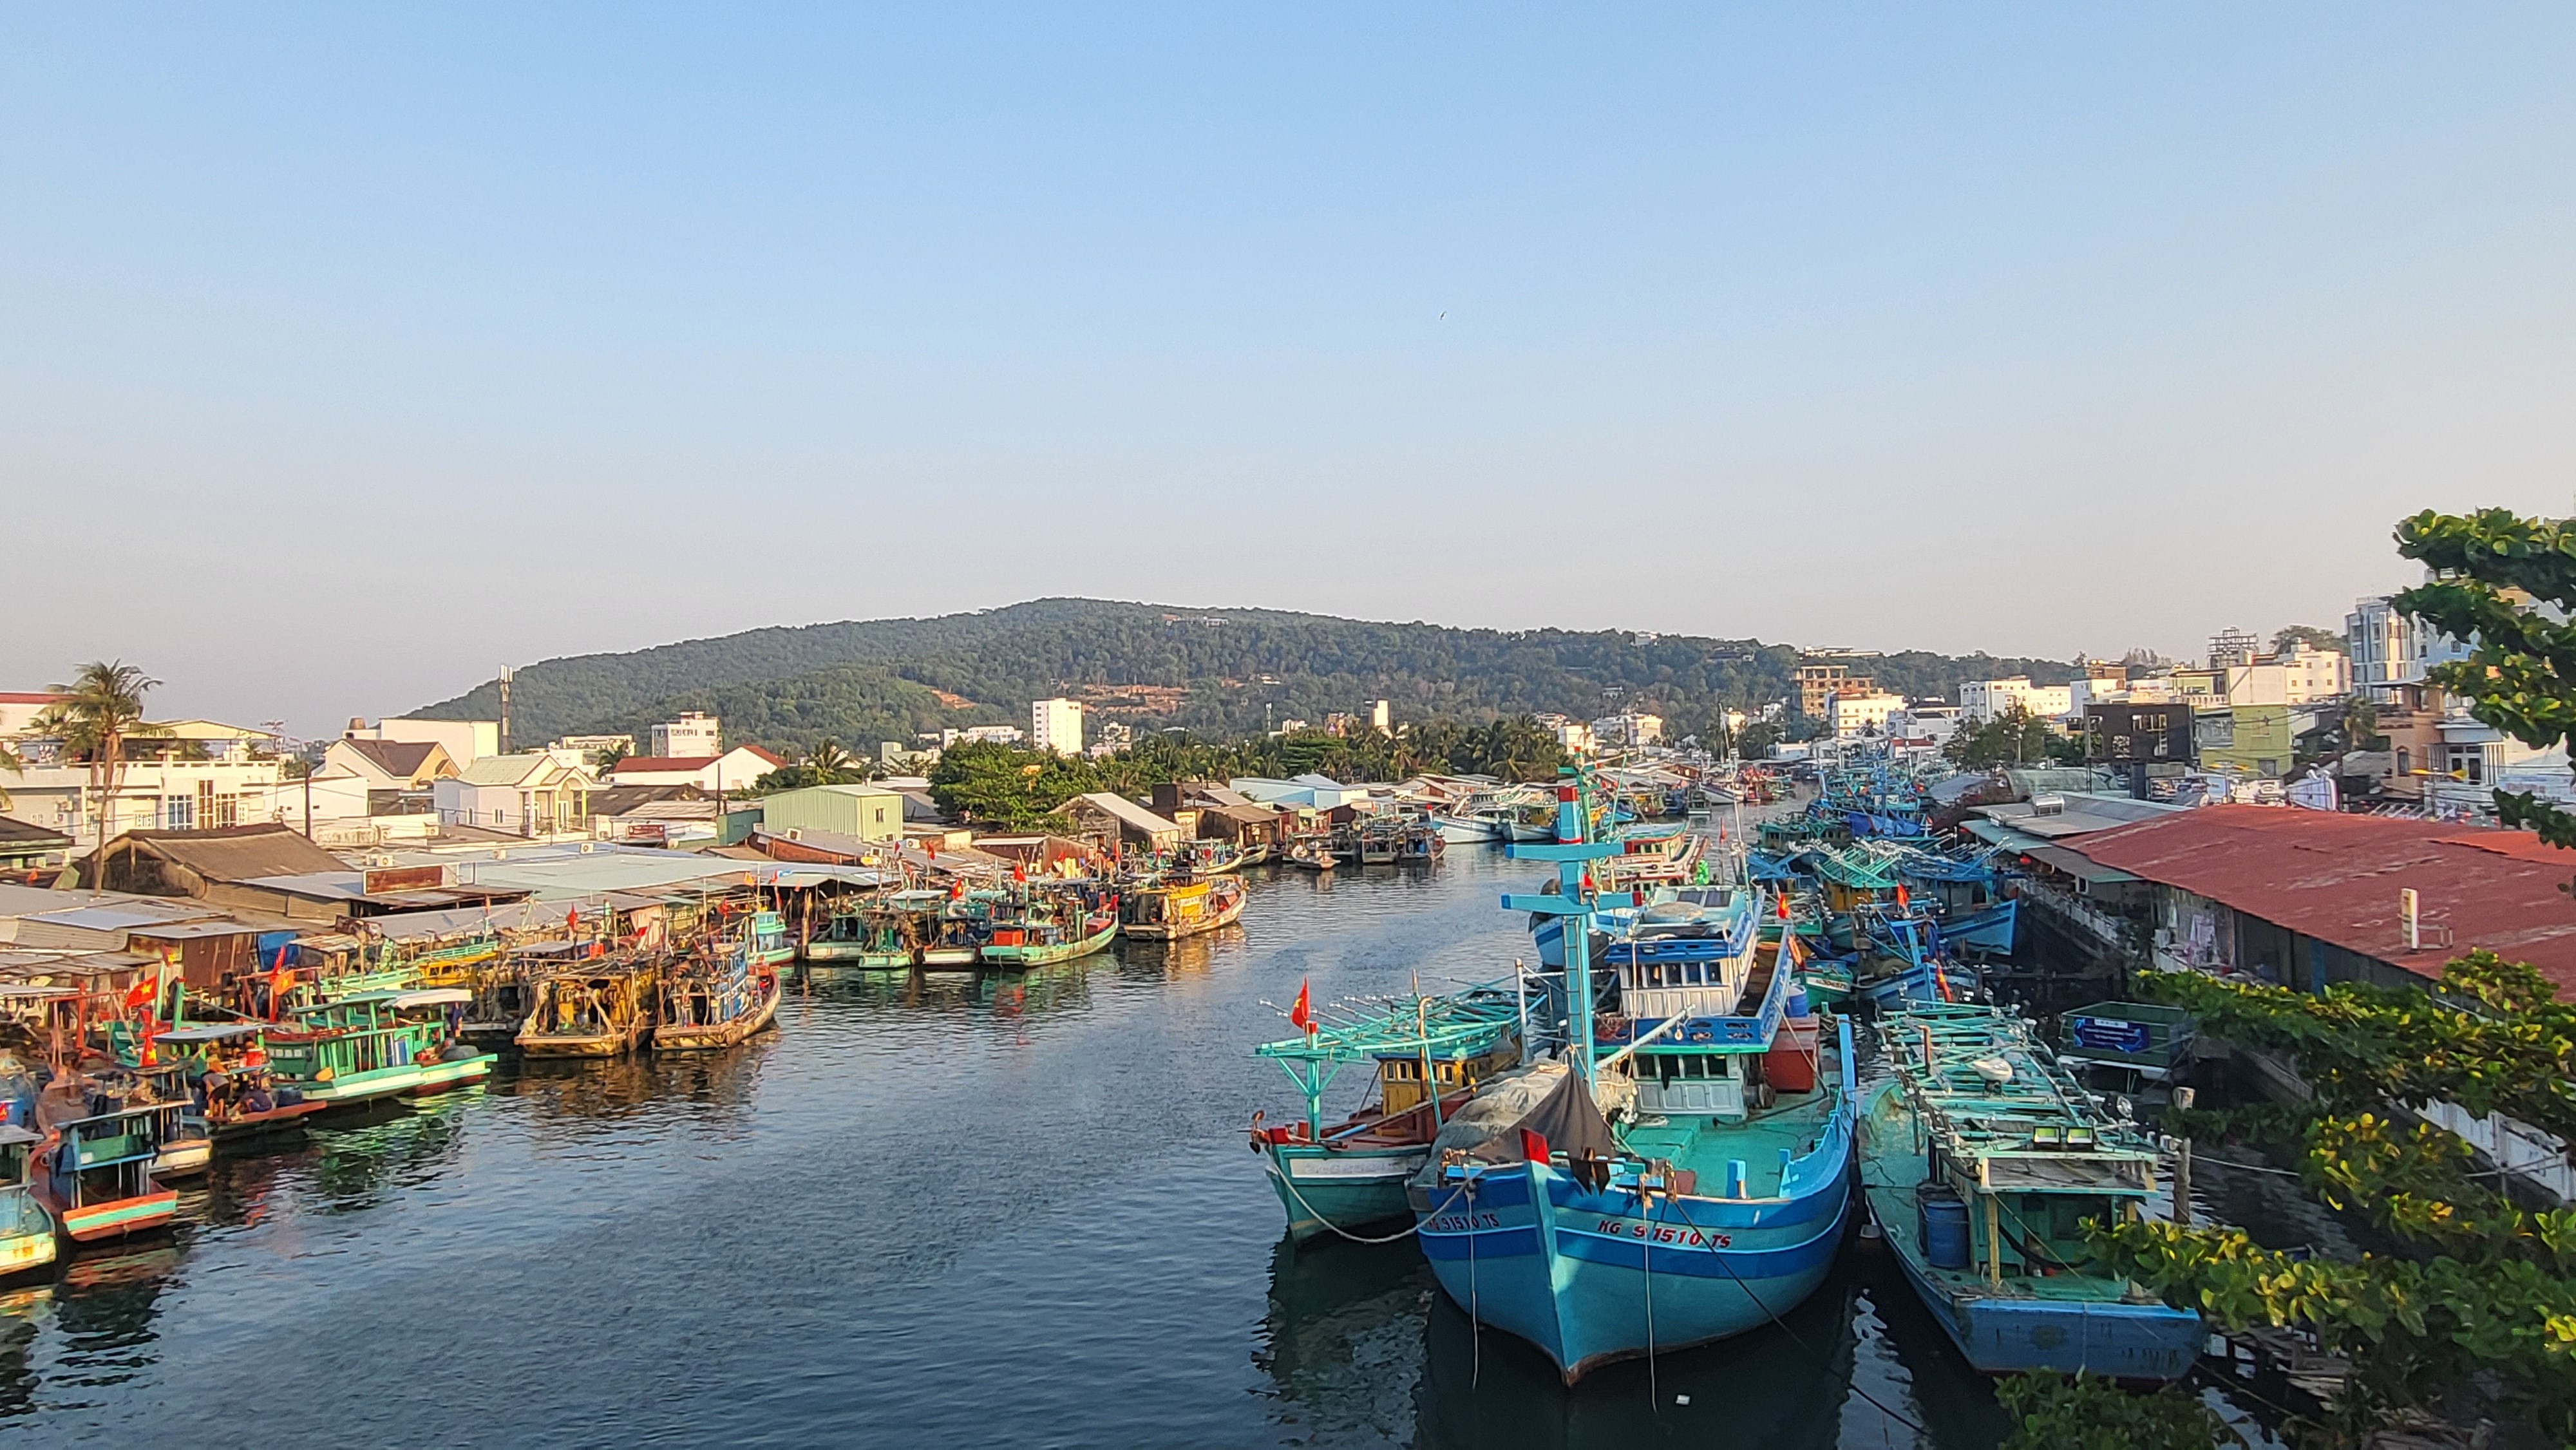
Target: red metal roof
[(664, 762), (2336, 878), (30, 697)]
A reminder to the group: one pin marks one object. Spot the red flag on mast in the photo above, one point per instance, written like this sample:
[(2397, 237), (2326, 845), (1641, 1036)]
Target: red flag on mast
[(1303, 1014)]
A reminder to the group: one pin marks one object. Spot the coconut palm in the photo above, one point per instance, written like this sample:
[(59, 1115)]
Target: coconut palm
[(101, 709), (829, 764), (9, 762)]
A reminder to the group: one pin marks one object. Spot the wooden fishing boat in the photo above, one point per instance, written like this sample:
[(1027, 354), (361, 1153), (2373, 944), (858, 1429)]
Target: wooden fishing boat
[(771, 943), (1050, 929), (701, 1012), (1170, 912), (373, 1045), (94, 1174), (1352, 1175), (883, 933), (1982, 1158), (602, 1009), (226, 1048), (1312, 854), (964, 924), (26, 1229)]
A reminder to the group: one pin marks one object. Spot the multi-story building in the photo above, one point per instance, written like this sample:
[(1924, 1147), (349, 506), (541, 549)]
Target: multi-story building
[(2313, 676), (694, 733), (2233, 647), (1056, 725), (1852, 715), (2390, 650), (1982, 700), (1820, 680)]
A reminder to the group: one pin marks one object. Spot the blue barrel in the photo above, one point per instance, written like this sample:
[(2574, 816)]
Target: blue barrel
[(1797, 997), (1945, 1229)]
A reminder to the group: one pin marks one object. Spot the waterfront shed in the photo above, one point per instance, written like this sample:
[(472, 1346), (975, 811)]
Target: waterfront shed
[(861, 812)]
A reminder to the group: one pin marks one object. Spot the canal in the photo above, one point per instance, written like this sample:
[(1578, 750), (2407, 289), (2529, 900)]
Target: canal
[(1014, 1211)]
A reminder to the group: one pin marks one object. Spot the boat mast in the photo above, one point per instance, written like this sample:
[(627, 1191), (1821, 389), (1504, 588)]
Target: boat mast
[(1575, 902)]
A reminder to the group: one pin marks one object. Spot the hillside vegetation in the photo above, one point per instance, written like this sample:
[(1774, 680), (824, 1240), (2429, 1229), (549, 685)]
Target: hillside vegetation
[(864, 681)]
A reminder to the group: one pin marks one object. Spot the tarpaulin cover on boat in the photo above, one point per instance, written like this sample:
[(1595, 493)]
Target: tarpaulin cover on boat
[(1544, 1098)]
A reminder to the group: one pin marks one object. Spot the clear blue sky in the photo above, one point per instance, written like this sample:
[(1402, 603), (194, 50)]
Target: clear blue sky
[(346, 351)]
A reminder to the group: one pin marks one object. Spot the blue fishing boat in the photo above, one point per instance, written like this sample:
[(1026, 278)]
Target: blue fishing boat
[(1427, 1056), (1981, 1158), (1682, 1171)]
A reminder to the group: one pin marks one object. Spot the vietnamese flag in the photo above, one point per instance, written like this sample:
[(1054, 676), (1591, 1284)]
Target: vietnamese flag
[(1783, 899), (140, 993), (1900, 896), (1303, 1014)]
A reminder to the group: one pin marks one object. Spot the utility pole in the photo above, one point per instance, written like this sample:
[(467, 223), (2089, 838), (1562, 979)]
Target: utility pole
[(2182, 1097)]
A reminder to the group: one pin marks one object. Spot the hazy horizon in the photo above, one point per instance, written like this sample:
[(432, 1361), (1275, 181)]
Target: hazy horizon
[(345, 355)]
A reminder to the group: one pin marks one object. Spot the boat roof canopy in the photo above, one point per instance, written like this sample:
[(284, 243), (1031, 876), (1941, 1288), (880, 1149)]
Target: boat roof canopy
[(210, 1032)]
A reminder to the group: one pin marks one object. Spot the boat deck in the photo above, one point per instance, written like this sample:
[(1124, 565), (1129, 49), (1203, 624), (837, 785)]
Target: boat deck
[(1704, 1145)]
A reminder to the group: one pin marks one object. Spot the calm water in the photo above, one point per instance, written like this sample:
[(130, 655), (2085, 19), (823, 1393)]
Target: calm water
[(1007, 1213)]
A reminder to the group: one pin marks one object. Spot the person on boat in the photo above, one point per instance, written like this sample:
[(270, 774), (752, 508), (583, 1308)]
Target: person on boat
[(257, 1099)]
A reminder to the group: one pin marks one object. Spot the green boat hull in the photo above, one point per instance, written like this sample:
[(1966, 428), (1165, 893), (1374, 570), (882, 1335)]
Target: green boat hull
[(1039, 956)]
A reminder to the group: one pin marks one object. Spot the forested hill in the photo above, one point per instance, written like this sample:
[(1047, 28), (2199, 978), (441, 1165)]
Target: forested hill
[(1215, 671)]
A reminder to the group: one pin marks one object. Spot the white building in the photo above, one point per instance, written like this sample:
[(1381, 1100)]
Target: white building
[(1983, 700), (532, 793), (983, 735), (1627, 730), (2391, 650), (1382, 717), (693, 734), (1868, 714), (731, 772), (465, 741), (2313, 676), (19, 709), (152, 795), (1056, 725)]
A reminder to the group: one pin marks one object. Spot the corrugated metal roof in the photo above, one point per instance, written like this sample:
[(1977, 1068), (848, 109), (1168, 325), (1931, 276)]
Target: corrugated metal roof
[(2336, 878)]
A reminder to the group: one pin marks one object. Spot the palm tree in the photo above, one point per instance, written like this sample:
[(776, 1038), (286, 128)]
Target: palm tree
[(101, 709), (829, 764), (10, 762)]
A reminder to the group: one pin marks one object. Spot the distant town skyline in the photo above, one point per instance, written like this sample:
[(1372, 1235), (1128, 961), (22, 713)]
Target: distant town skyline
[(340, 364)]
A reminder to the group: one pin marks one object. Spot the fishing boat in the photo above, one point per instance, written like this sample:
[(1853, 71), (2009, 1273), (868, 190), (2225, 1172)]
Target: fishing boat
[(722, 1005), (1052, 927), (1688, 1183), (1982, 1158), (221, 1051), (1172, 911), (1421, 844), (93, 1174), (601, 1009), (373, 1045), (771, 943), (1312, 854), (26, 1229), (1427, 1055), (880, 933), (962, 927)]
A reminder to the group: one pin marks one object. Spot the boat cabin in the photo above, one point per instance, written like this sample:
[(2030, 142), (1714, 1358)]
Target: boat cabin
[(1400, 1080)]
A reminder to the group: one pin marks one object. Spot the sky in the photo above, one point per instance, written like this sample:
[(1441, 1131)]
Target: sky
[(347, 352)]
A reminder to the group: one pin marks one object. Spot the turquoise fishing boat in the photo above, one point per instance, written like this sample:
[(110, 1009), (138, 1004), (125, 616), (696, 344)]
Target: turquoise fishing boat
[(1682, 1172), (1427, 1055), (93, 1175), (1981, 1158), (1050, 926), (372, 1045), (26, 1229)]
